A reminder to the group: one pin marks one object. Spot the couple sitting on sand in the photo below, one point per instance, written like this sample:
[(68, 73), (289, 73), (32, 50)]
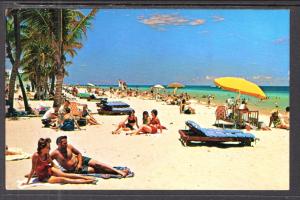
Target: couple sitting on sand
[(150, 124), (71, 160)]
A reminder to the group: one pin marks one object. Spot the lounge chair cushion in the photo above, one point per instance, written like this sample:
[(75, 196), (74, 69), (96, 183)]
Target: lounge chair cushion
[(220, 133), (83, 95), (116, 104), (122, 109)]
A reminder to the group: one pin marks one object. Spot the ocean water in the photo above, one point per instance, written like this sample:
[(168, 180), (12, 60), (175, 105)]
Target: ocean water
[(277, 95)]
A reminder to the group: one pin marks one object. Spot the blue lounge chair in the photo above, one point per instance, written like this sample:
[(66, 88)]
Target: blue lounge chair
[(113, 104), (197, 133), (115, 111)]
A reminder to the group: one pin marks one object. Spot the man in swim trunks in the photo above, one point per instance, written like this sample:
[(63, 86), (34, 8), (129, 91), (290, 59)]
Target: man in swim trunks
[(72, 160)]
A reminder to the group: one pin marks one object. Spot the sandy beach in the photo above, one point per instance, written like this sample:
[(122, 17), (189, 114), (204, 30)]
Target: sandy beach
[(160, 161)]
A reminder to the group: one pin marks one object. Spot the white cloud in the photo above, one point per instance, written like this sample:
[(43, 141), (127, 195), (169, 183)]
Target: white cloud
[(169, 20), (282, 40), (209, 77), (218, 18), (197, 22), (204, 32), (262, 78)]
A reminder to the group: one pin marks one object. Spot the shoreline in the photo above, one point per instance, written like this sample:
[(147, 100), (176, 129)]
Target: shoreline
[(265, 107)]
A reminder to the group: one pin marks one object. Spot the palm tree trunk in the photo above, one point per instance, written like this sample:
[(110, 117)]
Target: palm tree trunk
[(26, 105), (52, 84), (16, 64), (59, 56), (32, 86)]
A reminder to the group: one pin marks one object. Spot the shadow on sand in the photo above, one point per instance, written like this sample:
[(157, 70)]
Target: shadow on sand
[(223, 145)]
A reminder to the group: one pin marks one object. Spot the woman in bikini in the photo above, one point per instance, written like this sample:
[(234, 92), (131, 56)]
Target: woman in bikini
[(146, 118), (89, 118), (152, 127), (46, 171), (131, 121), (280, 121)]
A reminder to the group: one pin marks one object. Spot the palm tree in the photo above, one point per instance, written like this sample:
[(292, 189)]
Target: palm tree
[(15, 60), (68, 36), (63, 31), (46, 36)]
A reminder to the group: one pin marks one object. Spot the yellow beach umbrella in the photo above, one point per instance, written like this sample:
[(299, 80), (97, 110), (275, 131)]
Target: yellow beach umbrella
[(240, 85)]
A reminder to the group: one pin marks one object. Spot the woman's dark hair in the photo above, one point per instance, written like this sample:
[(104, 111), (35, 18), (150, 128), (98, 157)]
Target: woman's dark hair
[(145, 113), (154, 111), (68, 110), (287, 109), (42, 143), (130, 112)]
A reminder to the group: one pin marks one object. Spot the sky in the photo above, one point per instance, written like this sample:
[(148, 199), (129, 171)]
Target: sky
[(192, 46)]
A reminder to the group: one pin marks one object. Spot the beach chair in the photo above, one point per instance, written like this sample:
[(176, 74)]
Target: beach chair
[(74, 109), (222, 115), (113, 104), (253, 118), (197, 133), (115, 111), (83, 95)]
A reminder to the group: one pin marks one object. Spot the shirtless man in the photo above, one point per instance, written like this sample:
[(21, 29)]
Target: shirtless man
[(73, 161)]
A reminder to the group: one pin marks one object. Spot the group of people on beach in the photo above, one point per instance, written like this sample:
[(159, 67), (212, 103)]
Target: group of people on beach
[(150, 125), (279, 120), (75, 166), (62, 118)]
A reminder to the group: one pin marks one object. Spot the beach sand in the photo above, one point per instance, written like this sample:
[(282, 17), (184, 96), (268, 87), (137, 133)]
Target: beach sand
[(160, 161)]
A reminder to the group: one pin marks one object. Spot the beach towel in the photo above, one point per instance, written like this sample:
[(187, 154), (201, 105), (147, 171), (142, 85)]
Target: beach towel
[(20, 156), (107, 176)]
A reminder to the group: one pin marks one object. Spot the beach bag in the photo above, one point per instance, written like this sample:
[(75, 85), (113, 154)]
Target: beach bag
[(81, 122), (68, 125)]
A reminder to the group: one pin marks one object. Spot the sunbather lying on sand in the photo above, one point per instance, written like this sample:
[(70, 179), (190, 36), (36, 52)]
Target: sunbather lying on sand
[(131, 121), (46, 171), (8, 152), (72, 160)]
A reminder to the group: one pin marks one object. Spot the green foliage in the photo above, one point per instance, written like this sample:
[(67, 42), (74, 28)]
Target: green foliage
[(40, 41)]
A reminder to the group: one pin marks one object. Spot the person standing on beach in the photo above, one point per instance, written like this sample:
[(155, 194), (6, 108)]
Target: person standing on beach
[(72, 160), (209, 98)]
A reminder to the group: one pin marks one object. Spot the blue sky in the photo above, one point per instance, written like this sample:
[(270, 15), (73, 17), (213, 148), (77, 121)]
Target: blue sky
[(192, 46)]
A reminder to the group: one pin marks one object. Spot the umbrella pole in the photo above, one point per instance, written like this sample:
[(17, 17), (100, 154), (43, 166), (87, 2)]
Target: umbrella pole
[(175, 89)]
